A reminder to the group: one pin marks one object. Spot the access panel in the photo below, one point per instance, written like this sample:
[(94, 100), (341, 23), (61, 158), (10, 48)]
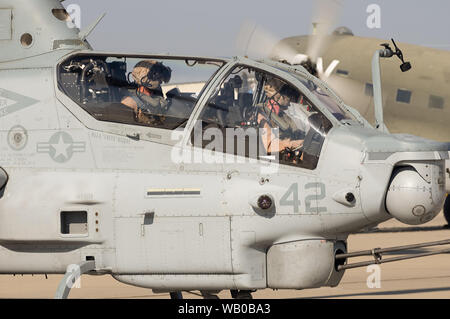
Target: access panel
[(5, 24)]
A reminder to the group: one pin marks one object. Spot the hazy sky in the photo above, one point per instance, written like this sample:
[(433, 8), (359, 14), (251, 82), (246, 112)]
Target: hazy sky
[(211, 27)]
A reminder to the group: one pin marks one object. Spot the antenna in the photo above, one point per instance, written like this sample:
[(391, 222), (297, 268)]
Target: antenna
[(85, 32), (249, 39)]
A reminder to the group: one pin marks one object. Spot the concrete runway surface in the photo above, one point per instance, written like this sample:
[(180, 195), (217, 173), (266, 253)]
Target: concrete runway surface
[(427, 277)]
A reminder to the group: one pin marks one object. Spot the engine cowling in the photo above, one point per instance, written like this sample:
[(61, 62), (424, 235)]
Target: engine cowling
[(304, 264), (416, 193)]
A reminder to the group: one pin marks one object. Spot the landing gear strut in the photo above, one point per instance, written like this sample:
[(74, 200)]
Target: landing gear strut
[(447, 209), (242, 294), (209, 294), (72, 275)]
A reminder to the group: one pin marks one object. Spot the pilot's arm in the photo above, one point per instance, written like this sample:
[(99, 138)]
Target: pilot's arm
[(273, 143), (131, 103), (153, 104)]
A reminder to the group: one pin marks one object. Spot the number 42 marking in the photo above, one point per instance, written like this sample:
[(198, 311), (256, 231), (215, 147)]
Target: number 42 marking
[(291, 198)]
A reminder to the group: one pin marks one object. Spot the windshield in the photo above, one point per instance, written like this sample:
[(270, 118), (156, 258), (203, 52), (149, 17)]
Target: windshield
[(327, 99)]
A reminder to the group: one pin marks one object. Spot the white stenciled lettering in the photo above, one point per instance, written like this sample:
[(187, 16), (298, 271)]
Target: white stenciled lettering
[(74, 11)]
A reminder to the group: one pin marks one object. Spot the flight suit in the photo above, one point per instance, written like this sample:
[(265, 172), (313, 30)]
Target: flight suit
[(281, 120), (150, 102)]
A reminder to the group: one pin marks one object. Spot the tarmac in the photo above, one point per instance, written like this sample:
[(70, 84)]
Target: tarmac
[(424, 278)]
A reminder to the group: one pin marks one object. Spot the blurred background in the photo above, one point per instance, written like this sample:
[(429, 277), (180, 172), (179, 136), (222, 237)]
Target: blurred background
[(223, 28)]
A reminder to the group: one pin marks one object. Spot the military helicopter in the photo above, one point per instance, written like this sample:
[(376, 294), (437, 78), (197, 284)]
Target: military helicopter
[(189, 193)]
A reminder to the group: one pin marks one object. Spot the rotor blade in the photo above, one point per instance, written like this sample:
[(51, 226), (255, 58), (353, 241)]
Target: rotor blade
[(325, 17), (284, 50), (253, 40), (353, 93)]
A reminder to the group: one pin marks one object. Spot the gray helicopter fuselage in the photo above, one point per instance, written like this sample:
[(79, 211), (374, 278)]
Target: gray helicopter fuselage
[(81, 189)]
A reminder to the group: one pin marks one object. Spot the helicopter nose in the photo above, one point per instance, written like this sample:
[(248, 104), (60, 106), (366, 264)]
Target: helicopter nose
[(416, 193)]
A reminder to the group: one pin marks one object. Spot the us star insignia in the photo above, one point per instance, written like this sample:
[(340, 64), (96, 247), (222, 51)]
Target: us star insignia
[(61, 147)]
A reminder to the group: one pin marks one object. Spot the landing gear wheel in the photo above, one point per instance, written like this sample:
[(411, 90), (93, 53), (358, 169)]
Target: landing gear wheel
[(447, 209), (242, 294), (176, 295), (209, 295)]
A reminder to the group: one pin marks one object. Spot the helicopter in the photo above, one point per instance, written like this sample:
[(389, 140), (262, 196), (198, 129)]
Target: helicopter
[(228, 174)]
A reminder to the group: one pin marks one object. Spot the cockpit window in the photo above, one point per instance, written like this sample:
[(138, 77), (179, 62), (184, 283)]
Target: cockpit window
[(261, 115), (328, 100), (151, 92)]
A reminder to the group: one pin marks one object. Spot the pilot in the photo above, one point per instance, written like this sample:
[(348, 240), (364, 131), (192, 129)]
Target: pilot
[(148, 97), (272, 86), (274, 115)]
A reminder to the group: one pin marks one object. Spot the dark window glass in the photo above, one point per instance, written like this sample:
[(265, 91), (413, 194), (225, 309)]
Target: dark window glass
[(403, 96), (436, 102), (342, 72)]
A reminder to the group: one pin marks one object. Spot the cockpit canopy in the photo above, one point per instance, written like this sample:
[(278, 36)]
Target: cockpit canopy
[(136, 90), (271, 114)]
